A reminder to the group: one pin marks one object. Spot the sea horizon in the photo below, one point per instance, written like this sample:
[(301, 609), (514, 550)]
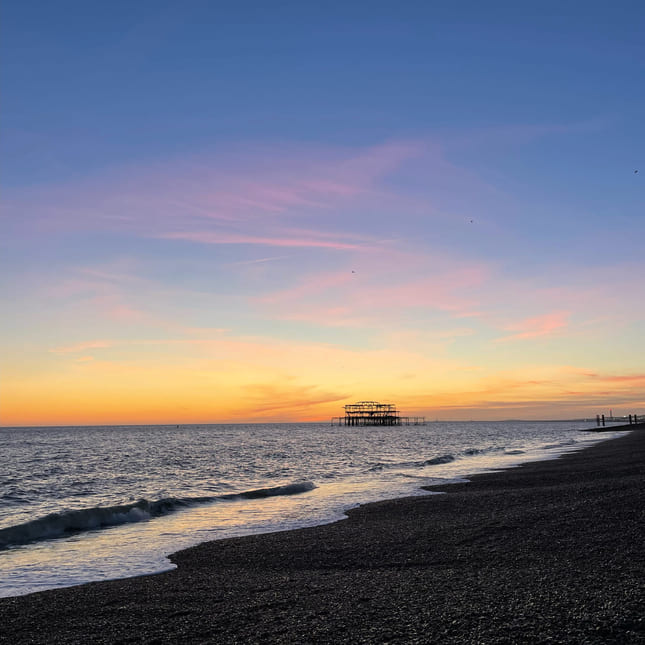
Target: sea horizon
[(614, 419)]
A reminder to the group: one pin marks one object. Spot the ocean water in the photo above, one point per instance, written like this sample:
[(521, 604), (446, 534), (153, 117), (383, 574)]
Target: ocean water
[(80, 504)]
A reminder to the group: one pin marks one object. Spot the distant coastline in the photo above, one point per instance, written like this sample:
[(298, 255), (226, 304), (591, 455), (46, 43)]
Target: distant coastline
[(618, 420)]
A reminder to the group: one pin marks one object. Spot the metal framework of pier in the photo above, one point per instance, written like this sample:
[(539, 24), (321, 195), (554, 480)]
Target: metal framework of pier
[(372, 413)]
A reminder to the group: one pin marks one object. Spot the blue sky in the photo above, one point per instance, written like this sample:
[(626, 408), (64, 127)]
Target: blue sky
[(98, 83)]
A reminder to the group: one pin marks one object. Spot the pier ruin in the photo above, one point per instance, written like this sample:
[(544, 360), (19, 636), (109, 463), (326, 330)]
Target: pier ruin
[(372, 413)]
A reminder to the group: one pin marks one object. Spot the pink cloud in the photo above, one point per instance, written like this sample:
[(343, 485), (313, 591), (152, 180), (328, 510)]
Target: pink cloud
[(111, 292), (309, 287), (384, 286), (205, 237), (441, 291), (240, 187), (124, 312), (636, 379), (103, 294), (546, 325)]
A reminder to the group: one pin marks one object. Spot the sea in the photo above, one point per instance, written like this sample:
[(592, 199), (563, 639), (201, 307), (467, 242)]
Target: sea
[(82, 504)]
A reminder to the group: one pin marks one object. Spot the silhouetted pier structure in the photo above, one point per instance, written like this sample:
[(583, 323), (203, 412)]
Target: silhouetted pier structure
[(601, 419), (372, 413)]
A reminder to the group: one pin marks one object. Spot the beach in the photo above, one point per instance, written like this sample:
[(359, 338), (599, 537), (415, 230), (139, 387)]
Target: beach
[(551, 551)]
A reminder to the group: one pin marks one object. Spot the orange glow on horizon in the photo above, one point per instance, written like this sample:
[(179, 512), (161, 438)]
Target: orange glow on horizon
[(96, 393)]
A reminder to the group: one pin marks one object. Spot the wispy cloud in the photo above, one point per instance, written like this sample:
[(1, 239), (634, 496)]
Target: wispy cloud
[(100, 293), (546, 325), (81, 347), (204, 237), (385, 284), (240, 187), (274, 258), (629, 379), (292, 400)]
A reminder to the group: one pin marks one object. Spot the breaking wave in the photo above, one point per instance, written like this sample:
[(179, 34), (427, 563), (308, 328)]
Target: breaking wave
[(287, 489), (60, 524), (435, 461), (443, 459)]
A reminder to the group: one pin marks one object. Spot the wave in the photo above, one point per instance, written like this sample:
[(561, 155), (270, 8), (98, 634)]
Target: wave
[(561, 444), (288, 489), (470, 452), (435, 461), (59, 524)]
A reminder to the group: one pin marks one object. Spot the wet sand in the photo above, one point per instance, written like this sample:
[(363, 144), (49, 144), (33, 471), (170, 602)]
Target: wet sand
[(548, 552)]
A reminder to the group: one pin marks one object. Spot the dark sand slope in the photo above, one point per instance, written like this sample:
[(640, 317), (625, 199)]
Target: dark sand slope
[(548, 552)]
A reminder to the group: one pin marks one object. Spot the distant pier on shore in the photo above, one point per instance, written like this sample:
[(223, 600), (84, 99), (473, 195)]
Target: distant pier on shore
[(625, 419), (372, 413)]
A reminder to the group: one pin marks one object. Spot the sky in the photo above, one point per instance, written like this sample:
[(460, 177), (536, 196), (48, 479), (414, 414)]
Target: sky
[(264, 210)]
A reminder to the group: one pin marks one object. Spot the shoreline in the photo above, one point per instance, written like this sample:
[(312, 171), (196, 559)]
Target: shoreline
[(548, 548), (107, 557)]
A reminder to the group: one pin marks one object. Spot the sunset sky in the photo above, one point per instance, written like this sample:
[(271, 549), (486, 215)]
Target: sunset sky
[(263, 211)]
